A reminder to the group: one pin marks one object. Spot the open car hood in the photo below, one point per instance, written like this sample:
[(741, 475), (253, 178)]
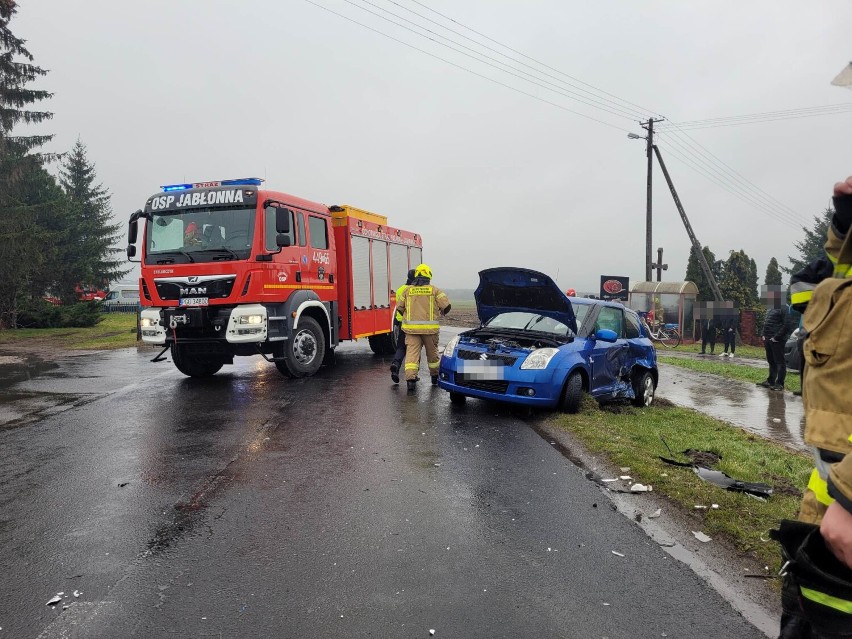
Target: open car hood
[(506, 289)]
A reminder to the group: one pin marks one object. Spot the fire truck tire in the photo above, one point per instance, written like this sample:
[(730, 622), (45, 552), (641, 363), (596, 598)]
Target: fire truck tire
[(572, 394), (194, 366), (382, 344), (304, 352)]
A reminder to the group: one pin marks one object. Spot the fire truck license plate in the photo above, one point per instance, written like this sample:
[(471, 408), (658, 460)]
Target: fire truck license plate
[(194, 301)]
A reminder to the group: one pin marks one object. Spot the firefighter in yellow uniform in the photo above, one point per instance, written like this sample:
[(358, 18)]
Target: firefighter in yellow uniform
[(817, 592), (420, 304), (399, 354)]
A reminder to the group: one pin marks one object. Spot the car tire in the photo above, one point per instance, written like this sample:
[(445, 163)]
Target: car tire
[(643, 388), (572, 394), (382, 344), (457, 398), (304, 352)]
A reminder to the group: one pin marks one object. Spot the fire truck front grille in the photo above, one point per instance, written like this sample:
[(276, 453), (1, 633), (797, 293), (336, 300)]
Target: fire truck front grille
[(488, 385), (506, 360), (216, 289)]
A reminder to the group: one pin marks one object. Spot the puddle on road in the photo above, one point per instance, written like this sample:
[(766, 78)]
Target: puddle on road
[(775, 415), (15, 369)]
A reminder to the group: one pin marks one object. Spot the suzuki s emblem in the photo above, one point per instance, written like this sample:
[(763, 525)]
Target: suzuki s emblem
[(192, 279)]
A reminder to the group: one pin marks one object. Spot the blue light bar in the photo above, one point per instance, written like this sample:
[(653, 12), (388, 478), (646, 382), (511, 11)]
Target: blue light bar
[(203, 185)]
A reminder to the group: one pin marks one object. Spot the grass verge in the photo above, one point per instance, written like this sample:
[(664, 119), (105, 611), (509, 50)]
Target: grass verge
[(729, 369), (117, 330), (631, 437), (743, 350)]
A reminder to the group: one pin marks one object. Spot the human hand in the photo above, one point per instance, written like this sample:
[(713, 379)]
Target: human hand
[(836, 530), (843, 188)]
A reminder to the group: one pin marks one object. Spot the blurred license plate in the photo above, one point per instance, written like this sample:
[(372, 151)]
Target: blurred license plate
[(194, 301), (486, 370)]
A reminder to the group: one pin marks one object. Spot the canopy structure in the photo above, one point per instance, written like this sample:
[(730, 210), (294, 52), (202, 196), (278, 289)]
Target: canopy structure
[(669, 302)]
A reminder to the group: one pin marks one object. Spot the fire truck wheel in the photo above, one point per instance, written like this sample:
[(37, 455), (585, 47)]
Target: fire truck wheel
[(305, 351), (382, 344), (194, 366), (572, 394)]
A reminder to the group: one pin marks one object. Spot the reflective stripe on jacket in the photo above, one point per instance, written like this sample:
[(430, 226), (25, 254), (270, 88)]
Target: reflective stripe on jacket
[(399, 292), (420, 306)]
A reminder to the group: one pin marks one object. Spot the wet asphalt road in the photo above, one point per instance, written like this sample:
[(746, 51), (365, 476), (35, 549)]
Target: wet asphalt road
[(248, 505)]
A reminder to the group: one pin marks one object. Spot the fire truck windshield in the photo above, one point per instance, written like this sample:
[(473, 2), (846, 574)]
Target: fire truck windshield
[(200, 235)]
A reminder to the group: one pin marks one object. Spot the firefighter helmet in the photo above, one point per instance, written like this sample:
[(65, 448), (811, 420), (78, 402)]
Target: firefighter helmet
[(423, 271), (571, 292)]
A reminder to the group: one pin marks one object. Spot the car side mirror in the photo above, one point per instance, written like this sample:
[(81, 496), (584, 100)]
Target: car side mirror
[(606, 335), (282, 240)]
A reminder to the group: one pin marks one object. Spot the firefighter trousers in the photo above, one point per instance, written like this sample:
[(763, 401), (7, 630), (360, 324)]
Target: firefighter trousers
[(413, 345)]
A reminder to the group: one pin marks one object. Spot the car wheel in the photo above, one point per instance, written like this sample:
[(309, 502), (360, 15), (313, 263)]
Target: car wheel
[(194, 366), (382, 344), (643, 388), (572, 394), (457, 398)]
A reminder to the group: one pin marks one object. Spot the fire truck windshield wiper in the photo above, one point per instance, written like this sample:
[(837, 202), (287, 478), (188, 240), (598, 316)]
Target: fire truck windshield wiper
[(219, 249), (186, 255)]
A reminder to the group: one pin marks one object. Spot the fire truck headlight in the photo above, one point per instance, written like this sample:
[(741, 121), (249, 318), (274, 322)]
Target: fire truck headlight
[(146, 322), (251, 319), (450, 348), (539, 359)]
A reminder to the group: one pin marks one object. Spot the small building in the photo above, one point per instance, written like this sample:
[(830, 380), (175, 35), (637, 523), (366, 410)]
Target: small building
[(671, 303)]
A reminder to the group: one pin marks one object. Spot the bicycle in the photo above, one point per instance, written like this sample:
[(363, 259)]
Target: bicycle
[(666, 334)]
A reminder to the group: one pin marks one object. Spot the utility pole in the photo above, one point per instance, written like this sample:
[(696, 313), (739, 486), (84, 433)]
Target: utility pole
[(649, 127), (708, 274), (659, 266)]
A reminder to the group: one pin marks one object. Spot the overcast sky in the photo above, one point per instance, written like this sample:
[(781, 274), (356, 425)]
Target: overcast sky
[(168, 91)]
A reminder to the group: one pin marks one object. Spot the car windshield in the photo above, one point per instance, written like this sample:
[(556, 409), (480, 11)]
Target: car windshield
[(524, 321), (200, 235)]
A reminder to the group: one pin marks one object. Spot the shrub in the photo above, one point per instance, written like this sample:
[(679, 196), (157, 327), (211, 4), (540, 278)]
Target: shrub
[(42, 314)]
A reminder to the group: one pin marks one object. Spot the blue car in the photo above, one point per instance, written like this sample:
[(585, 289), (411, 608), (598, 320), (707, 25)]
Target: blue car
[(539, 348)]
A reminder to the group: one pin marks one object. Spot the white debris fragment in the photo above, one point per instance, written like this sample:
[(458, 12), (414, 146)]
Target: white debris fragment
[(655, 514), (55, 600), (640, 488), (776, 420), (609, 480), (626, 477), (618, 554), (700, 507), (714, 506), (549, 549), (664, 474), (605, 603), (431, 631), (700, 536), (625, 469), (65, 607), (77, 593)]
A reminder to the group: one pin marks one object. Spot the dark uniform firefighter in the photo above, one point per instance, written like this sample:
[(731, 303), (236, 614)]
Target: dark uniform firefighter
[(397, 322), (420, 304), (817, 590)]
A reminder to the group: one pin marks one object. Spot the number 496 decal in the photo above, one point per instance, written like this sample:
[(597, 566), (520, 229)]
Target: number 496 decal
[(321, 258)]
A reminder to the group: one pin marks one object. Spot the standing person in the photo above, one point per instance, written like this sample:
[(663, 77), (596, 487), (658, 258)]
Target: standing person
[(802, 285), (397, 322), (729, 325), (776, 330), (419, 306), (708, 332), (817, 587)]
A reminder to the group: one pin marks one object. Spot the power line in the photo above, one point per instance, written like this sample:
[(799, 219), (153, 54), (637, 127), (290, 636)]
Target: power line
[(543, 84), (466, 69), (793, 114)]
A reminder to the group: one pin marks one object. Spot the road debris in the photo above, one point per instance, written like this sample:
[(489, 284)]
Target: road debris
[(700, 536), (618, 554), (55, 599), (431, 631), (655, 514), (640, 488), (722, 480)]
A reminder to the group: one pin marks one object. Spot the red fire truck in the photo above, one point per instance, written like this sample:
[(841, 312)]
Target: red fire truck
[(229, 268)]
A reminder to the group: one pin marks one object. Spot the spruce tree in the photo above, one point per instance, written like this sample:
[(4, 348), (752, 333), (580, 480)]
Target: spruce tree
[(89, 251), (812, 246), (26, 195), (773, 274)]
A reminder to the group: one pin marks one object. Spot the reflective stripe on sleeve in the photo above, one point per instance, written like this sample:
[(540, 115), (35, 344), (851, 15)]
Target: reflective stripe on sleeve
[(819, 487), (843, 605), (801, 298)]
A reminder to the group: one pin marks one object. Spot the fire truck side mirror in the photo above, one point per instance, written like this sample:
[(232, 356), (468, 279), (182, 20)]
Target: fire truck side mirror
[(282, 240), (282, 222), (131, 251)]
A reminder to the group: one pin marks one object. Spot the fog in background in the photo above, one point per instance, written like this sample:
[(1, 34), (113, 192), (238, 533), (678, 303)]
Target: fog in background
[(191, 90)]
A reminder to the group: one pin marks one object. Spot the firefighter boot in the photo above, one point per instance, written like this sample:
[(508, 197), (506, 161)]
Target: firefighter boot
[(434, 380), (412, 385), (394, 368)]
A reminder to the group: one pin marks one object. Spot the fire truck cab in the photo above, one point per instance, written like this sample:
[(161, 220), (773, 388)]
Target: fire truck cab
[(229, 268)]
